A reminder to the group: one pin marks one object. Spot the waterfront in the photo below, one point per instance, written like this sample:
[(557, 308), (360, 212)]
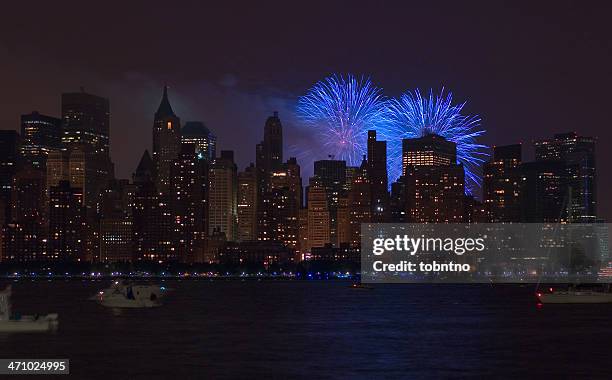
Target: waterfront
[(280, 329)]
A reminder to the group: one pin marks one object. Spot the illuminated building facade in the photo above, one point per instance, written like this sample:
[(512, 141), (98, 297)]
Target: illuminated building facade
[(429, 150), (255, 254), (166, 142), (247, 204), (331, 174), (269, 158), (434, 183), (86, 124), (223, 196), (27, 230), (189, 201), (40, 134), (117, 222), (319, 231), (66, 222), (359, 204), (152, 216), (502, 185), (9, 161), (196, 133)]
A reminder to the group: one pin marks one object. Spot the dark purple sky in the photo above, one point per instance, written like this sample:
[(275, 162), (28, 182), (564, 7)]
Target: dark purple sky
[(529, 69)]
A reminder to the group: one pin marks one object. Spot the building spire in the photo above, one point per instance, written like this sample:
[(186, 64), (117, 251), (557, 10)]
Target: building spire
[(164, 109)]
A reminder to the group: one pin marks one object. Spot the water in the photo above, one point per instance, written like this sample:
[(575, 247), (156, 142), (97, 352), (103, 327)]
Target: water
[(281, 329)]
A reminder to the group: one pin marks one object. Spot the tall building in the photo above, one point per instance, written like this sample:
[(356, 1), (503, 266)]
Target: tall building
[(343, 221), (331, 174), (152, 217), (577, 153), (26, 231), (435, 184), (359, 204), (543, 192), (195, 132), (273, 143), (282, 203), (69, 165), (166, 142), (268, 158), (377, 172), (302, 234), (66, 222), (501, 185), (247, 204), (86, 124), (117, 222), (189, 201), (223, 196), (397, 201), (318, 216), (9, 162), (429, 150), (40, 134)]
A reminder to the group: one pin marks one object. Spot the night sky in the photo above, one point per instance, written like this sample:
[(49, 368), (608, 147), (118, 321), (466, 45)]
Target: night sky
[(529, 70)]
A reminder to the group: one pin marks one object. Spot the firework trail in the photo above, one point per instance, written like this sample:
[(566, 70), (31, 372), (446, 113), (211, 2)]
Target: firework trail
[(340, 110), (415, 116)]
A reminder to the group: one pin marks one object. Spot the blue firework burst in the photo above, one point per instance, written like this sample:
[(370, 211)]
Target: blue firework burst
[(415, 116), (340, 110)]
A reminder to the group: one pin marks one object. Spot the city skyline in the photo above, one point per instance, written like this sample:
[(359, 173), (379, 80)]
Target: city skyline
[(529, 70), (61, 200)]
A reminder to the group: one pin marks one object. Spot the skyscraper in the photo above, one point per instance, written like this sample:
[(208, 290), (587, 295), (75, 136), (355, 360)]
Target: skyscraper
[(318, 216), (166, 142), (153, 219), (273, 143), (283, 202), (501, 184), (40, 134), (331, 175), (69, 165), (268, 158), (359, 204), (435, 184), (223, 196), (66, 222), (429, 150), (578, 155), (189, 201), (117, 222), (9, 161), (247, 204), (195, 132), (86, 120), (26, 232), (377, 172), (543, 192)]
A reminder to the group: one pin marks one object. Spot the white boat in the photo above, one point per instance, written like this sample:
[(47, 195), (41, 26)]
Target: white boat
[(575, 296), (26, 323), (127, 295)]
